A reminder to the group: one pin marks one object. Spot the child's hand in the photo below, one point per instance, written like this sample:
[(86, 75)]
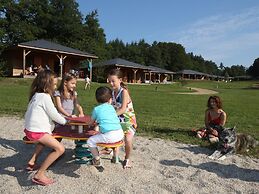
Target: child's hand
[(96, 128), (73, 116), (214, 132), (81, 115)]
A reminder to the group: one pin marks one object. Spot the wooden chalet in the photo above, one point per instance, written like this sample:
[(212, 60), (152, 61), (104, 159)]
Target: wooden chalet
[(134, 72), (196, 75), (159, 75), (28, 57)]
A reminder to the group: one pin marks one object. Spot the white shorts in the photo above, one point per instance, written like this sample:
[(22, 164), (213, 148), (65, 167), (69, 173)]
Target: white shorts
[(109, 137)]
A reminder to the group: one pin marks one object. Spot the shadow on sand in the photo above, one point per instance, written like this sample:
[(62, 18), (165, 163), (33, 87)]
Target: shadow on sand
[(14, 164), (224, 171)]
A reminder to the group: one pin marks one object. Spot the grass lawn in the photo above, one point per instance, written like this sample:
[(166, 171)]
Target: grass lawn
[(160, 111)]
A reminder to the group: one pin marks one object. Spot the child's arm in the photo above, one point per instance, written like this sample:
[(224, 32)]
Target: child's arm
[(125, 100), (93, 120), (52, 112), (207, 124), (207, 120), (79, 108), (59, 106), (223, 118)]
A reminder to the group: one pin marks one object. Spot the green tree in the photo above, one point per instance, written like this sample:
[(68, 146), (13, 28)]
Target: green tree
[(154, 56), (221, 66), (137, 51), (237, 70), (253, 70), (174, 56), (117, 49), (93, 38), (14, 21), (38, 14), (65, 25)]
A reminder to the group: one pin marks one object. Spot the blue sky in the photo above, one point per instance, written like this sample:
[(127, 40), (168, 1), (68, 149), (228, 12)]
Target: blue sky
[(224, 31)]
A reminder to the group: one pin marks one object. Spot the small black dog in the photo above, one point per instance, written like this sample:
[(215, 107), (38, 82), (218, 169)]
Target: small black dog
[(231, 142)]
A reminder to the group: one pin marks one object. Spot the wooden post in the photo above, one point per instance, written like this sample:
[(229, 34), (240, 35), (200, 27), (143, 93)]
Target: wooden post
[(24, 60), (135, 75), (61, 63), (91, 70), (23, 70)]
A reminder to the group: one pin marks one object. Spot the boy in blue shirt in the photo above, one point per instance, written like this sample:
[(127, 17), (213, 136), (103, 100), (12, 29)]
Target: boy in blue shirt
[(109, 124)]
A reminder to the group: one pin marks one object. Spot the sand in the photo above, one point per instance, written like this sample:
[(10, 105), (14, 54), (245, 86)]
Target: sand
[(160, 166)]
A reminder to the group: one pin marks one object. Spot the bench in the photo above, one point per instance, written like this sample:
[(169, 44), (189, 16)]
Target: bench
[(106, 145), (82, 153)]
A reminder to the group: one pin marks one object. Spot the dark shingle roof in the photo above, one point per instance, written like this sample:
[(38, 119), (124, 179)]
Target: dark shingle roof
[(54, 47), (192, 72), (120, 63), (189, 72), (124, 63), (159, 70)]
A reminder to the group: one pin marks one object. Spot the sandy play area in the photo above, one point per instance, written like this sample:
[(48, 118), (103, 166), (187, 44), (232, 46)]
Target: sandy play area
[(159, 167)]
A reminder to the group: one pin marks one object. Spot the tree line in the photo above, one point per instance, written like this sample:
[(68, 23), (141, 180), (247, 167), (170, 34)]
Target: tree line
[(61, 21)]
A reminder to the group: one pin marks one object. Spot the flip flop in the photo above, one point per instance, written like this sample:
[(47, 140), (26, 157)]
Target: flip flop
[(107, 151), (126, 164), (41, 182), (32, 167), (115, 160), (96, 163)]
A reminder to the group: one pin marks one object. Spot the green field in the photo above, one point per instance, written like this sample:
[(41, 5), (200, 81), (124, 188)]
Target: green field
[(161, 112)]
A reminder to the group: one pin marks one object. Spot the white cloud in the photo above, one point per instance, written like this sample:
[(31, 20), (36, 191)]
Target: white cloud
[(224, 38)]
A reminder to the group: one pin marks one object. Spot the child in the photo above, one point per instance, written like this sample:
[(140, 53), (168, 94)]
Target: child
[(109, 124), (124, 108), (214, 116), (39, 118), (87, 82), (66, 97)]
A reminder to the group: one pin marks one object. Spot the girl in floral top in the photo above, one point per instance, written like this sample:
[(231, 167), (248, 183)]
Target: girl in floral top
[(124, 109)]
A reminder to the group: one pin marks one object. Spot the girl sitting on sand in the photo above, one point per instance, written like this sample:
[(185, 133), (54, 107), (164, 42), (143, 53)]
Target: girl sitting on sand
[(214, 116)]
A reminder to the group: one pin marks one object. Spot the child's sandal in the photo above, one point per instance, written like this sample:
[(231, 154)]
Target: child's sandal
[(96, 162), (107, 151), (32, 167), (115, 160), (126, 164)]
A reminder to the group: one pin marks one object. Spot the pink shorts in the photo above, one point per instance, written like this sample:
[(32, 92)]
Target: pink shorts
[(34, 136)]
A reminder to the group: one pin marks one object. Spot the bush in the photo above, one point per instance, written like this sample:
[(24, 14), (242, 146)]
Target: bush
[(4, 71)]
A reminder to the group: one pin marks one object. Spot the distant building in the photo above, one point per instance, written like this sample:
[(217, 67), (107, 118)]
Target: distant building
[(196, 75), (134, 72), (38, 54)]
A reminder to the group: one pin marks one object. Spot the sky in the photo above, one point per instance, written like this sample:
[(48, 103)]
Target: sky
[(224, 31)]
